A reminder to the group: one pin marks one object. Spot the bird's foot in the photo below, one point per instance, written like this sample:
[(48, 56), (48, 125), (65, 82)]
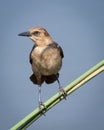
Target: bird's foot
[(63, 92), (42, 108)]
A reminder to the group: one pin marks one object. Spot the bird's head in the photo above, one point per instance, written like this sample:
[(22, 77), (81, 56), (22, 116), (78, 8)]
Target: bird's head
[(38, 35)]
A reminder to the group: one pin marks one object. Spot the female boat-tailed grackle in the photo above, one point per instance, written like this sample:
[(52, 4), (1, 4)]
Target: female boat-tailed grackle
[(45, 58)]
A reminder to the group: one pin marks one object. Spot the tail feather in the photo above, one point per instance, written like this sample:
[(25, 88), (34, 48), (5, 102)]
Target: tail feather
[(48, 79), (34, 79)]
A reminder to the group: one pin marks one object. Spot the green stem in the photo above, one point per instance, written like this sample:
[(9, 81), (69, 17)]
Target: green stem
[(28, 120)]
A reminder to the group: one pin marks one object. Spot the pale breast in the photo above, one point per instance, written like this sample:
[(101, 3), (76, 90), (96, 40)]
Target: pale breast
[(46, 60)]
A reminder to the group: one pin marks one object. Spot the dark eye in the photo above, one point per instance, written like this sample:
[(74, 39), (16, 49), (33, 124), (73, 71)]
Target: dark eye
[(36, 33)]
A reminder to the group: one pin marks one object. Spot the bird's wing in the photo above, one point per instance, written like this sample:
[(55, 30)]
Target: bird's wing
[(30, 59), (54, 44)]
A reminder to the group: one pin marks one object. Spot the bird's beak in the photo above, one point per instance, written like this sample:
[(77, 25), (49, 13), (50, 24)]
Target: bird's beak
[(27, 34)]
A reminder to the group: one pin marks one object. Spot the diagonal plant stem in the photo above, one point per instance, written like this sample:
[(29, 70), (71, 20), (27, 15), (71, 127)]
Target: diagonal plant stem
[(33, 116)]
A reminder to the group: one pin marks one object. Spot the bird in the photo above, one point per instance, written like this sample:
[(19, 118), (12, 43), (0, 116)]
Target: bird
[(45, 59)]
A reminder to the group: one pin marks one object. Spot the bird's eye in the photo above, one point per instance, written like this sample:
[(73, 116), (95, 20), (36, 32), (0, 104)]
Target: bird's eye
[(36, 33)]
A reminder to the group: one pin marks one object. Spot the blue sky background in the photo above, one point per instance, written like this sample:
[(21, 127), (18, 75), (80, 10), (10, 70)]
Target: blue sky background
[(78, 26)]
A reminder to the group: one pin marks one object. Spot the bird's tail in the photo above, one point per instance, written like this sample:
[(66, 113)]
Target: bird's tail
[(48, 79)]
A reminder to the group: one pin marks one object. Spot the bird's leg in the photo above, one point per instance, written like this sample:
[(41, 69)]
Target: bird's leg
[(41, 105), (39, 97), (61, 90), (39, 91)]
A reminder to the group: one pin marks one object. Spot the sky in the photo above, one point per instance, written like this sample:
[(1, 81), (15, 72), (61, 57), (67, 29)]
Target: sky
[(78, 27)]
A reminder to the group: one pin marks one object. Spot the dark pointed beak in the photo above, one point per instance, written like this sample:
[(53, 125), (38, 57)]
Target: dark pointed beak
[(27, 34)]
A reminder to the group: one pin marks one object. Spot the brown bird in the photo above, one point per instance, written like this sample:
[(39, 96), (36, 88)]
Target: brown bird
[(45, 58)]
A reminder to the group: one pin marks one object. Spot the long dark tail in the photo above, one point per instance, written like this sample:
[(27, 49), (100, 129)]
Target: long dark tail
[(48, 79)]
